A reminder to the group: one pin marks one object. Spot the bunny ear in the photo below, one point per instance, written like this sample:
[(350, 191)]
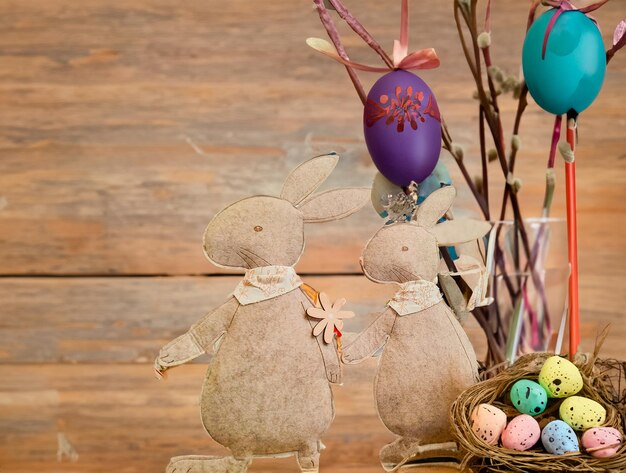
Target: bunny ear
[(462, 230), (307, 177), (435, 206), (334, 204)]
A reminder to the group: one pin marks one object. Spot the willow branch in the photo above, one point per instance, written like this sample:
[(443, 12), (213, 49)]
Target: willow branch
[(360, 30), (333, 34)]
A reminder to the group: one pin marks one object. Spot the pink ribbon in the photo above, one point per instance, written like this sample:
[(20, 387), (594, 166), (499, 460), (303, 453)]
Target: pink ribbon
[(422, 59), (563, 6)]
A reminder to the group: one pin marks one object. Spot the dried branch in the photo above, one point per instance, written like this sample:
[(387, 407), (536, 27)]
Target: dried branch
[(333, 34)]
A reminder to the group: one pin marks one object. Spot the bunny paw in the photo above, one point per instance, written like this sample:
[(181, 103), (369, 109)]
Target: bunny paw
[(206, 464), (309, 458)]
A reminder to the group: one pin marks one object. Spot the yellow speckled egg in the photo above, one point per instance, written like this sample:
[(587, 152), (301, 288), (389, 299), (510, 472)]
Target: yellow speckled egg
[(560, 377), (582, 413)]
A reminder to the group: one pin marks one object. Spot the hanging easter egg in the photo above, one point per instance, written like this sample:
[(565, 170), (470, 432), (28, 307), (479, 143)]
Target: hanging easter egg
[(402, 127), (568, 75), (602, 442), (560, 377), (529, 397), (558, 438), (488, 422), (522, 433), (582, 413), (440, 177)]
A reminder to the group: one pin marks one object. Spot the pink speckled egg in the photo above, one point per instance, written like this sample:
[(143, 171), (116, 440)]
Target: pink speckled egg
[(522, 433), (488, 422), (602, 442)]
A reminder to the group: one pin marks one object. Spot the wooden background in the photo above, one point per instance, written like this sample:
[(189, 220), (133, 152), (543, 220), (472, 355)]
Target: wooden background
[(126, 125)]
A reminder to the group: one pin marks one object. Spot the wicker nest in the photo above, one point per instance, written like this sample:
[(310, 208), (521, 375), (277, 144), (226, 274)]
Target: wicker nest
[(482, 457)]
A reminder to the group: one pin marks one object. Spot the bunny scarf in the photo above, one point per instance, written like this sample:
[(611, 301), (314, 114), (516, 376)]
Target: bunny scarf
[(266, 282), (415, 296)]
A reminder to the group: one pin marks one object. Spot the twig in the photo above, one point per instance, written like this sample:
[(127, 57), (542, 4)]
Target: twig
[(359, 29), (447, 145), (333, 34), (483, 159)]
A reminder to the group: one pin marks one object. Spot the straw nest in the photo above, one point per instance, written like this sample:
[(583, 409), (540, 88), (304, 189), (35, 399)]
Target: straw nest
[(482, 457)]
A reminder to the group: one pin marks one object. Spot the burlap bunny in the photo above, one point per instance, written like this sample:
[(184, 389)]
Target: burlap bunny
[(267, 390), (427, 359)]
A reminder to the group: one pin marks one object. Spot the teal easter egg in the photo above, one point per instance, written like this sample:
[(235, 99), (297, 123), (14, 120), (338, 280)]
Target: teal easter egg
[(571, 74), (582, 413), (560, 377), (529, 397)]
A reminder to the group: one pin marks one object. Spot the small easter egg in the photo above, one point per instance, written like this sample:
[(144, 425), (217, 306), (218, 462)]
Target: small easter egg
[(560, 377), (558, 438), (522, 433), (570, 75), (402, 127), (529, 397), (582, 413), (440, 177), (488, 422), (602, 442), (382, 188)]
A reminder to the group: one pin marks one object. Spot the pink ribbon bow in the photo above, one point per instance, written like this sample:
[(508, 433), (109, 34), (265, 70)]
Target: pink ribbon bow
[(563, 6), (422, 59)]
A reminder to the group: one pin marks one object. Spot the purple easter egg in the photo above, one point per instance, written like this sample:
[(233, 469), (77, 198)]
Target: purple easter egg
[(402, 127)]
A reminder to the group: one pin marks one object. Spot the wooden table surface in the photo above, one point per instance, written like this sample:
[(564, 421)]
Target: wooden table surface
[(126, 125)]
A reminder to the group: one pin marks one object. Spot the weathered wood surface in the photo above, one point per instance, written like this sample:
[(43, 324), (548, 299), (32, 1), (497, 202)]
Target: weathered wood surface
[(126, 320), (126, 127), (119, 417)]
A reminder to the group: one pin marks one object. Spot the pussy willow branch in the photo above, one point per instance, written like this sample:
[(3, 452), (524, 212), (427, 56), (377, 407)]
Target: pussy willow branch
[(483, 159), (333, 34), (490, 111), (360, 30)]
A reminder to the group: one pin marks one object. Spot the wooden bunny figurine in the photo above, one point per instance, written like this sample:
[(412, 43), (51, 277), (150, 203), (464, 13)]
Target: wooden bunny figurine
[(427, 359), (266, 391)]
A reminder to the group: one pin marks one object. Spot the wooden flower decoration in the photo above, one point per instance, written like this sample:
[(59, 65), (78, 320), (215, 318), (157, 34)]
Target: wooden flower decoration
[(331, 317)]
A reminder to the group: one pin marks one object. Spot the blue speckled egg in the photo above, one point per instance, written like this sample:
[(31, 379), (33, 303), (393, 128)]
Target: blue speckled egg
[(529, 397), (559, 438), (571, 74)]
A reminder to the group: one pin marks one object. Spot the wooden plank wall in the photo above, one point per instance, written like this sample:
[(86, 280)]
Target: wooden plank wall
[(126, 125)]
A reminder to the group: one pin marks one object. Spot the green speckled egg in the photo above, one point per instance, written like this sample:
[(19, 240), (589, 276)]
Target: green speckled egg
[(560, 377), (582, 413), (529, 397)]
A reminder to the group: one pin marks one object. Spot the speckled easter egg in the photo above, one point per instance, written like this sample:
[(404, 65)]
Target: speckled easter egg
[(602, 442), (582, 413), (402, 127), (522, 433), (558, 438), (529, 397), (570, 75), (488, 422), (560, 377)]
